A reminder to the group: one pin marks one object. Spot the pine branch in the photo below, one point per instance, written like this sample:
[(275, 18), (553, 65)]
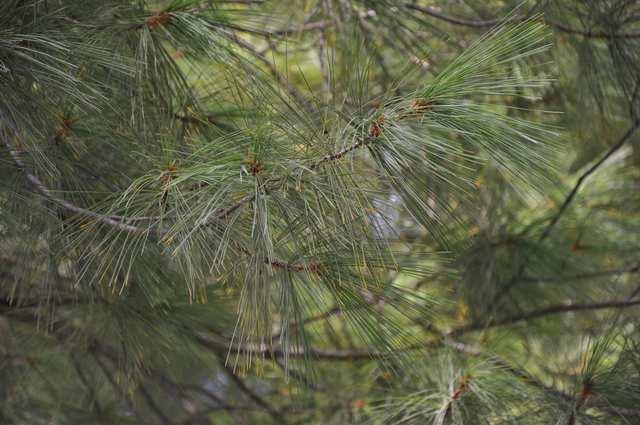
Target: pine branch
[(264, 350), (517, 278), (613, 149), (277, 417), (120, 222), (591, 33), (517, 372), (281, 79), (153, 405), (543, 312), (585, 395), (317, 25), (183, 389), (117, 388), (309, 26), (208, 394), (40, 187), (85, 381), (338, 155), (225, 212), (430, 11), (224, 229), (583, 276), (334, 311), (298, 376)]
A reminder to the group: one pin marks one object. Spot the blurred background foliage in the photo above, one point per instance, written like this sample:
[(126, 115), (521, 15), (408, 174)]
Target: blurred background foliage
[(319, 211)]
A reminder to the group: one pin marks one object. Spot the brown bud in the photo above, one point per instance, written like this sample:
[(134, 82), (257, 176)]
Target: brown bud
[(421, 105), (65, 128), (375, 130), (157, 20), (168, 175), (254, 167)]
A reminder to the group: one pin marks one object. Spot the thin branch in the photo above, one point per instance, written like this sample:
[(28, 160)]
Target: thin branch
[(241, 1), (310, 26), (547, 231), (279, 419), (375, 131), (271, 352), (298, 376), (281, 79), (333, 354), (120, 222), (337, 155), (153, 405), (613, 149), (583, 276), (225, 212), (585, 395), (334, 311), (219, 403), (40, 187), (85, 381), (590, 33), (543, 312), (322, 58), (110, 377), (532, 381), (430, 11), (208, 394), (519, 373)]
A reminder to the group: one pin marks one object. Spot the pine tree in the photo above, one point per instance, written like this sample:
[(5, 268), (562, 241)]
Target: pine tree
[(319, 211)]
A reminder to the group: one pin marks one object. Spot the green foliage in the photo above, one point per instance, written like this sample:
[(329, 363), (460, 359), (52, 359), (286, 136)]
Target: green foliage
[(319, 211)]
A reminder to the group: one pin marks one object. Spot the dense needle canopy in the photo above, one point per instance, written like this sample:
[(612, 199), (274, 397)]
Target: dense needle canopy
[(319, 211)]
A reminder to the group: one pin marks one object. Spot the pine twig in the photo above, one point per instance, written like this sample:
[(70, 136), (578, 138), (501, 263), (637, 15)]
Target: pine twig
[(536, 314), (338, 155), (153, 405), (277, 417), (281, 79), (584, 276), (565, 205), (264, 350), (613, 149), (40, 187), (585, 395), (430, 11)]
